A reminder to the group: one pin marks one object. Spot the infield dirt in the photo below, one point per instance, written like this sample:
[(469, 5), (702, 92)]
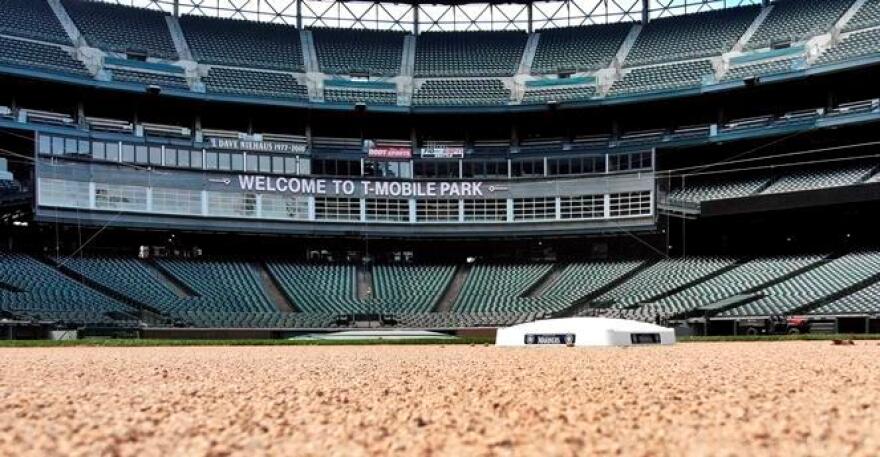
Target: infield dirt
[(778, 398)]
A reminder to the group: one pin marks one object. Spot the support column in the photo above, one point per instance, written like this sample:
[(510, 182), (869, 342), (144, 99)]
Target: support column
[(646, 16), (176, 8), (299, 17), (530, 14), (81, 114), (415, 29)]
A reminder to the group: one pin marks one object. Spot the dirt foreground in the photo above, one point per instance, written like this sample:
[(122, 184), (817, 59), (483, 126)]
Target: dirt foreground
[(791, 398)]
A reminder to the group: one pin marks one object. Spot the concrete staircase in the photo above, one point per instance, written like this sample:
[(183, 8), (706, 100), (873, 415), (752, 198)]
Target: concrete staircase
[(180, 44), (273, 290), (364, 283), (453, 290), (545, 282)]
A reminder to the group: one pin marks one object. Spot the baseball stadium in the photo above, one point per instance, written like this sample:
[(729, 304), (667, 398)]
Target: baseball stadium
[(333, 227)]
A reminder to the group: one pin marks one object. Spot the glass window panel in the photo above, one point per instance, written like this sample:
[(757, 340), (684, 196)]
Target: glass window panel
[(140, 154), (238, 161), (112, 152), (98, 151)]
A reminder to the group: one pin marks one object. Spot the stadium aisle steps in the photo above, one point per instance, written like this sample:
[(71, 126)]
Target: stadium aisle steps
[(867, 16), (584, 302), (814, 287), (745, 282), (861, 301), (666, 275), (180, 289), (276, 295), (545, 282), (867, 283), (695, 282), (453, 289), (140, 306), (38, 290), (365, 285), (587, 299)]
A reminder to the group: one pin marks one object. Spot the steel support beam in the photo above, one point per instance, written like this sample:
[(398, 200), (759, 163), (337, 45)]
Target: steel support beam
[(646, 14), (530, 13), (415, 29), (299, 16)]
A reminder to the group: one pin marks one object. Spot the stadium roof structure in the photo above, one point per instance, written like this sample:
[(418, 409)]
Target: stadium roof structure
[(418, 16)]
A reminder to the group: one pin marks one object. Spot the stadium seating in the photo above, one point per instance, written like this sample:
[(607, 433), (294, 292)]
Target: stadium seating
[(831, 277), (680, 75), (127, 275), (863, 301), (227, 294), (225, 286), (690, 36), (660, 278), (409, 288), (148, 78), (34, 289), (122, 28), (369, 97), (396, 288), (697, 190), (358, 51), (250, 58), (746, 277), (36, 55), (795, 20), (254, 83), (243, 43), (441, 54), (337, 285), (559, 94), (496, 288), (31, 19), (462, 92), (8, 186), (580, 279), (767, 67), (578, 48), (256, 320), (867, 16), (459, 320), (853, 46), (819, 179)]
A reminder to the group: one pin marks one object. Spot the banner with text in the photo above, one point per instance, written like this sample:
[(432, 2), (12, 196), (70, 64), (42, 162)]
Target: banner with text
[(257, 146), (358, 188), (389, 152), (442, 152)]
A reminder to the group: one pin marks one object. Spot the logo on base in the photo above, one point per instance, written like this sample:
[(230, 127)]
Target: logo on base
[(560, 338)]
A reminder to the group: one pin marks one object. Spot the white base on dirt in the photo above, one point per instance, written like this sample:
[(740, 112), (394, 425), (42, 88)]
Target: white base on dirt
[(584, 331)]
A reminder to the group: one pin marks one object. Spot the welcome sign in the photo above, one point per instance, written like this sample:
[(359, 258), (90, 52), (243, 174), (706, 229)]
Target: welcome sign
[(358, 188)]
